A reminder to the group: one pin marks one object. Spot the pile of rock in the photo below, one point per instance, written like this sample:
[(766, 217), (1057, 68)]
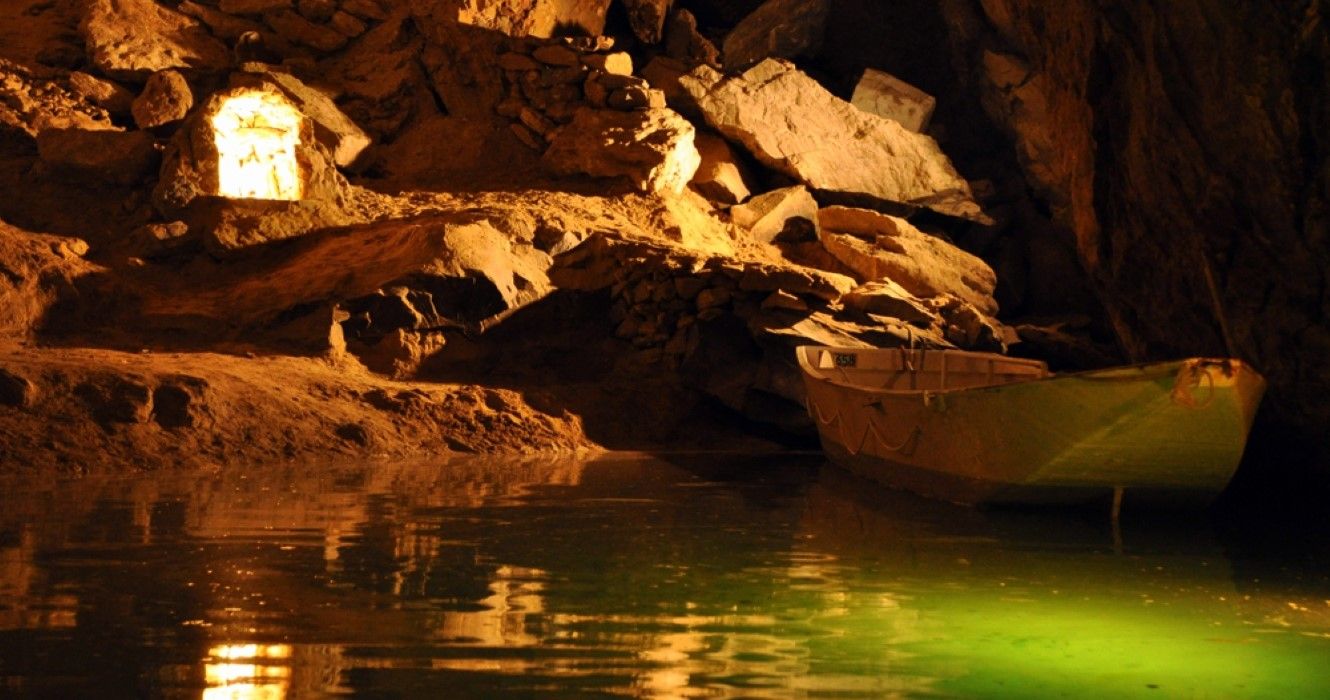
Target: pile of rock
[(547, 81)]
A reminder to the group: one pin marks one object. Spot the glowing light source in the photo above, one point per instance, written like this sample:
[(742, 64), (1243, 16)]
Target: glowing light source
[(256, 133)]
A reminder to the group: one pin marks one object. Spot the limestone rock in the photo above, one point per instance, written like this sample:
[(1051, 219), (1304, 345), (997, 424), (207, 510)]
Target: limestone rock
[(777, 29), (151, 240), (253, 7), (518, 18), (347, 24), (341, 136), (647, 18), (108, 95), (222, 25), (30, 105), (685, 43), (16, 390), (875, 246), (366, 9), (460, 62), (166, 98), (788, 214), (291, 26), (792, 124), (400, 353), (316, 10), (226, 226), (883, 297), (99, 156), (438, 271), (132, 39), (653, 149), (720, 176), (381, 78), (887, 96)]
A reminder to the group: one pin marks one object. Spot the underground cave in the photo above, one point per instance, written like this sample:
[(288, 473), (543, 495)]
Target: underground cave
[(663, 348)]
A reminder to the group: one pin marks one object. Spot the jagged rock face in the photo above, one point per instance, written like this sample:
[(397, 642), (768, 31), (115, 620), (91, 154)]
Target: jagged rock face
[(1185, 144), (792, 124)]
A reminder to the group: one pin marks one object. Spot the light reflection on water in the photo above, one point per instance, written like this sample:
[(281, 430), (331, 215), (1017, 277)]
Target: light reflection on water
[(739, 578)]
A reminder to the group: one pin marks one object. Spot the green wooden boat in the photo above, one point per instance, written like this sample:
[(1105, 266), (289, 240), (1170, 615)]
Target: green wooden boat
[(982, 428)]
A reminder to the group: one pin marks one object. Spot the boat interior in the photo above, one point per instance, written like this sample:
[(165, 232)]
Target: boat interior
[(917, 369)]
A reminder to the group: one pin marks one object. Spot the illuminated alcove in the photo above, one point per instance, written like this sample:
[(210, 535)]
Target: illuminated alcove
[(257, 133)]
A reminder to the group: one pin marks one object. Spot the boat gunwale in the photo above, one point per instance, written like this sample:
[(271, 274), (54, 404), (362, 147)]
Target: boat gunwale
[(802, 354)]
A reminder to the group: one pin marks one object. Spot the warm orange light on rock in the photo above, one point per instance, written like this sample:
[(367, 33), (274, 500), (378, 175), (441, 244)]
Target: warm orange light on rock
[(256, 134)]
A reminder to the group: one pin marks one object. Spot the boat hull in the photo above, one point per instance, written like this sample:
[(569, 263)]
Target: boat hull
[(1170, 431)]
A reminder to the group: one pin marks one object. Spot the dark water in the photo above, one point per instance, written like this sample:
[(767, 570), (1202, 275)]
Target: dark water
[(759, 577)]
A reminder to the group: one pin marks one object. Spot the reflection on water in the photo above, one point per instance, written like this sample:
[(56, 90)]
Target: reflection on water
[(743, 578)]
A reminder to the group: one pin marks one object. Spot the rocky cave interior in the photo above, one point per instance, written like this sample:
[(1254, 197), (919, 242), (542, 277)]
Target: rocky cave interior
[(544, 225)]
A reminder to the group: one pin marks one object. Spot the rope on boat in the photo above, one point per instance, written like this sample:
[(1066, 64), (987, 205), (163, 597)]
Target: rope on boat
[(869, 426), (1189, 379)]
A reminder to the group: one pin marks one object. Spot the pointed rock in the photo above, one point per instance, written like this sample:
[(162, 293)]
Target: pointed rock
[(792, 124)]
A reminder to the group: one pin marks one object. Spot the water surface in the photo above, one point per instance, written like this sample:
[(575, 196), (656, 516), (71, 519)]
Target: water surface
[(695, 577)]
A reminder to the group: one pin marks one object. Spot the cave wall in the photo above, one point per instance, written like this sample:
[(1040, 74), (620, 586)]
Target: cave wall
[(1184, 143)]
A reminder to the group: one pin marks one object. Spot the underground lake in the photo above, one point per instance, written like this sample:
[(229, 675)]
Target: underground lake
[(699, 575)]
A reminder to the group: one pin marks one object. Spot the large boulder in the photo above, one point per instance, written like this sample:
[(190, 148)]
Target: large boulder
[(653, 149), (447, 270), (879, 246), (792, 124), (166, 98), (779, 28), (132, 39)]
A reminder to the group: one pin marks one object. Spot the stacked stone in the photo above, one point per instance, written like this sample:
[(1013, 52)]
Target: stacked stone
[(548, 81), (656, 303), (287, 28)]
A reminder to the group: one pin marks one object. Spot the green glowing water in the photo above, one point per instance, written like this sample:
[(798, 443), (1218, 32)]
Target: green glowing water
[(748, 578)]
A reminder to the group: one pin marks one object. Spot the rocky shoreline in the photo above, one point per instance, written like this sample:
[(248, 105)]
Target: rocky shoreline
[(507, 227)]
